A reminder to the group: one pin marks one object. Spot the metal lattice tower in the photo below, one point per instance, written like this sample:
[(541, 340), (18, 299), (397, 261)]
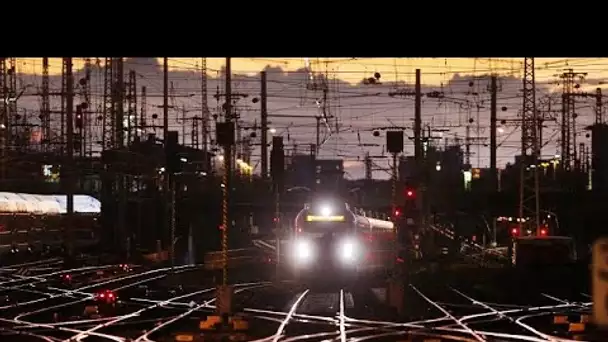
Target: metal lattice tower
[(529, 206), (64, 87), (86, 109), (118, 95), (3, 119), (204, 106), (195, 134), (11, 94), (568, 133), (45, 105), (143, 110), (132, 130), (599, 113), (108, 106)]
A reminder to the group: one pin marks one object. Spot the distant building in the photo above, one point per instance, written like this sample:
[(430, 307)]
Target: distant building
[(304, 170)]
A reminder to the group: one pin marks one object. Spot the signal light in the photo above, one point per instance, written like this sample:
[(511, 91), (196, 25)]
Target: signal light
[(543, 232), (409, 193), (397, 213), (107, 296), (514, 231)]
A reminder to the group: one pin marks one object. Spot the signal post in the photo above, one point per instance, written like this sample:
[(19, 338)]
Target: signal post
[(277, 170), (225, 322), (395, 288)]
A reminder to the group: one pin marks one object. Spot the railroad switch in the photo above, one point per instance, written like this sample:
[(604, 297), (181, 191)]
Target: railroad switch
[(217, 328), (224, 323), (560, 319), (576, 327)]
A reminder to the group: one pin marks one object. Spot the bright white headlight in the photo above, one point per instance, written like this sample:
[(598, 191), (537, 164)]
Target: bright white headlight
[(303, 251), (348, 250), (326, 210)]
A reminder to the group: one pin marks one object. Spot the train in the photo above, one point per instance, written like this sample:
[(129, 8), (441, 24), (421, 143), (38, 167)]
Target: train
[(35, 222), (331, 238)]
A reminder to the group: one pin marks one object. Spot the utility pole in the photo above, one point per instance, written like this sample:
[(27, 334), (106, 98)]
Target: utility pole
[(45, 110), (67, 61), (421, 171), (227, 174), (168, 192), (205, 113), (264, 123), (493, 145), (225, 138), (598, 107), (529, 205), (165, 98), (318, 145), (418, 123)]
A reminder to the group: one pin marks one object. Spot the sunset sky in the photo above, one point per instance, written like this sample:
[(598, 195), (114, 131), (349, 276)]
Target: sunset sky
[(352, 69), (357, 107)]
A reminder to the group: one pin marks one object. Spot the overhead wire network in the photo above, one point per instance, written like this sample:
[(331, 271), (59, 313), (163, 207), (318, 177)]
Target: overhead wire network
[(356, 105)]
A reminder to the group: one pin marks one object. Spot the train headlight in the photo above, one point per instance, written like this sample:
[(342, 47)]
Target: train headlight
[(326, 210), (349, 250), (303, 251)]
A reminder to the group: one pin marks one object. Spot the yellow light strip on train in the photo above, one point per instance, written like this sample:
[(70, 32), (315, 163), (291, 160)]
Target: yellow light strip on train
[(311, 218)]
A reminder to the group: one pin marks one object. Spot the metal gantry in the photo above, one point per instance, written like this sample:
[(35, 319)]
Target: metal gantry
[(529, 206)]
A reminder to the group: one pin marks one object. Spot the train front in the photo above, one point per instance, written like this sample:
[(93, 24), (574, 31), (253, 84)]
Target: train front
[(325, 241)]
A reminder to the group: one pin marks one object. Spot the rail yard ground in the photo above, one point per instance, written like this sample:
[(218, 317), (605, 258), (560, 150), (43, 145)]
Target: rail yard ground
[(48, 300)]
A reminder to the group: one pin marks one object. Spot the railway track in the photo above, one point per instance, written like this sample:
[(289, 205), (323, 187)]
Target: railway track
[(275, 311)]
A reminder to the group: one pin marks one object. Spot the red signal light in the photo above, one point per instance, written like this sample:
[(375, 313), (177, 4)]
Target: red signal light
[(409, 193), (543, 232), (514, 231), (397, 213), (107, 296)]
